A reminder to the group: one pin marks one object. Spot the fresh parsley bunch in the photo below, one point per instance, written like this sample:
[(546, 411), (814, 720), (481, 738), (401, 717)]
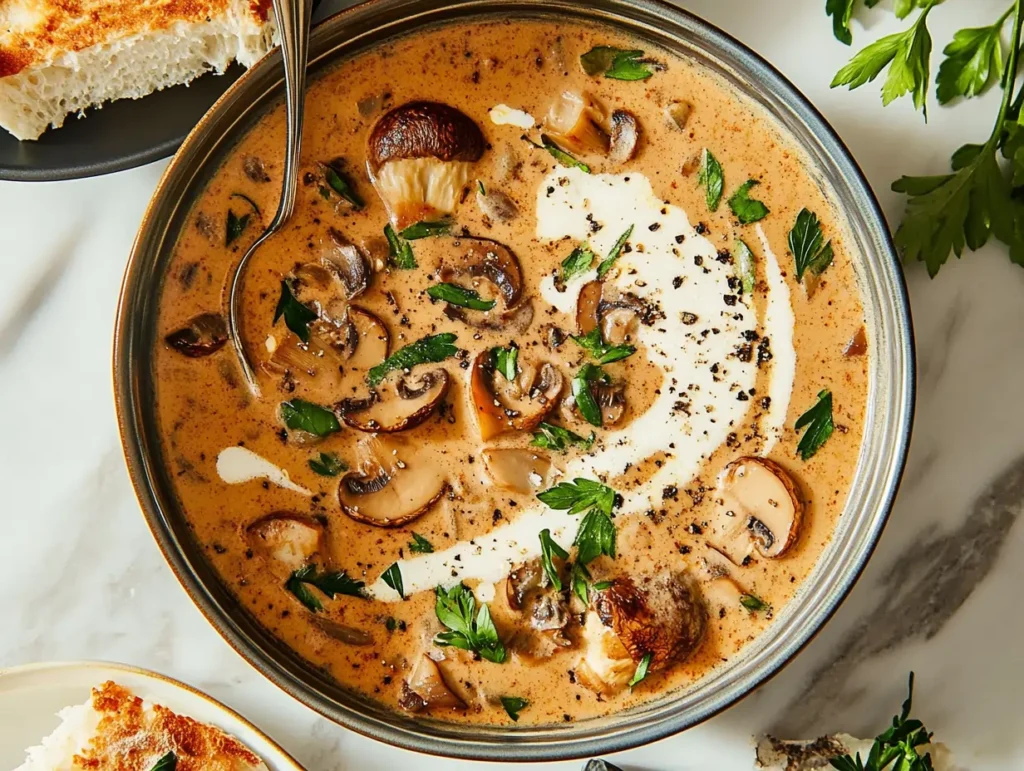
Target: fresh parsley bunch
[(981, 196)]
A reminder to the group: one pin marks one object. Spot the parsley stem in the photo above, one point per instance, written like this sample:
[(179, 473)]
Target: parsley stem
[(1007, 107)]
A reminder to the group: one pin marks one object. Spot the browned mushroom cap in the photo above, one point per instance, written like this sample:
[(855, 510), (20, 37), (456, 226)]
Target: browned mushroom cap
[(576, 122), (588, 306), (519, 405), (348, 263), (522, 471), (389, 490), (205, 334), (761, 509), (544, 609), (625, 136), (419, 157), (426, 689), (398, 404), (617, 314), (287, 541)]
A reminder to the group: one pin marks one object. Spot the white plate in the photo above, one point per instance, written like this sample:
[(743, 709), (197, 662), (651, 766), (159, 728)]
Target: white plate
[(31, 695)]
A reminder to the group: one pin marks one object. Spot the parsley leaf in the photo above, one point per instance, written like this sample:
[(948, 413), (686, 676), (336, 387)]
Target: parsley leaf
[(600, 586), (841, 12), (506, 361), (746, 267), (712, 178), (393, 578), (426, 230), (606, 264), (297, 317), (327, 465), (168, 762), (641, 669), (579, 495), (596, 536), (805, 242), (331, 584), (552, 437), (556, 152), (593, 344), (578, 580), (340, 183), (746, 209), (235, 226), (514, 705), (430, 349), (585, 401), (548, 550), (617, 63), (399, 250), (453, 294), (300, 415), (974, 61), (818, 421), (753, 603), (579, 261), (469, 629), (420, 545)]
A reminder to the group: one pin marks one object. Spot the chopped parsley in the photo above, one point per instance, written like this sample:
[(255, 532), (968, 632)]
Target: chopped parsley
[(393, 578), (420, 545), (300, 415), (617, 63), (558, 153), (548, 551), (585, 401), (641, 669), (453, 294), (818, 422), (168, 762), (579, 261), (468, 628), (712, 179), (806, 244), (327, 465), (753, 603), (593, 344), (340, 183), (514, 705), (430, 349), (606, 264), (506, 361), (746, 209), (297, 317), (551, 437), (236, 224), (426, 230), (746, 267), (399, 250), (330, 584)]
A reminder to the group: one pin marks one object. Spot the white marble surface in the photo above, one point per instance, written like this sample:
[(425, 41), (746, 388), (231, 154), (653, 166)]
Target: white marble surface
[(80, 576)]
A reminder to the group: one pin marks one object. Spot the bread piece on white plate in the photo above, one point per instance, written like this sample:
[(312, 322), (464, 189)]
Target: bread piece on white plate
[(58, 58), (810, 755), (117, 731)]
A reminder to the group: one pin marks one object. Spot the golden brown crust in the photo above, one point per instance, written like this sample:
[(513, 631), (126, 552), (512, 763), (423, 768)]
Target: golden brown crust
[(66, 26), (130, 738)]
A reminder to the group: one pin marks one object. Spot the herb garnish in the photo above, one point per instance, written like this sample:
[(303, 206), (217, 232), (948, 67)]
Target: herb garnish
[(818, 420), (641, 669), (556, 152), (506, 361), (393, 578), (579, 261), (746, 267), (548, 550), (453, 294), (617, 63), (340, 183), (399, 250), (420, 545), (897, 744), (330, 584), (426, 229), (300, 415), (552, 437), (469, 629), (430, 349), (712, 178), (974, 60), (579, 495), (596, 536), (580, 388), (805, 242), (327, 465), (481, 188), (579, 577), (606, 264), (600, 586), (753, 603), (513, 705), (746, 209), (168, 762), (593, 344), (236, 224), (297, 317)]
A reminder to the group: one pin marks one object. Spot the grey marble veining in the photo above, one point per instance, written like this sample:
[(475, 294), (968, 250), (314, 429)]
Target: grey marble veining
[(82, 578)]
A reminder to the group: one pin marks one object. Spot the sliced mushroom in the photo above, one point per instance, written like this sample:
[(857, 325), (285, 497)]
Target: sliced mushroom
[(520, 405), (522, 471), (479, 259), (606, 665), (205, 334), (678, 114), (659, 614), (370, 339), (347, 262), (286, 541), (420, 157), (588, 306), (760, 509), (388, 491), (611, 398), (342, 632), (254, 169), (576, 121), (858, 345), (397, 405), (618, 314), (625, 136), (544, 609), (497, 205), (522, 581), (720, 587), (426, 689)]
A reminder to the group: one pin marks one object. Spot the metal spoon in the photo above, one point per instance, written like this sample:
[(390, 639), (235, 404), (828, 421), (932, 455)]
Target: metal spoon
[(292, 18)]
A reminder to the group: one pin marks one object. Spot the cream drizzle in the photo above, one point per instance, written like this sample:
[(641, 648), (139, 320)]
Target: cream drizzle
[(237, 465)]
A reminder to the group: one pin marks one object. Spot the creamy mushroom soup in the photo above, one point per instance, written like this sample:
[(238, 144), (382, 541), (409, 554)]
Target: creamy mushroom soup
[(562, 369)]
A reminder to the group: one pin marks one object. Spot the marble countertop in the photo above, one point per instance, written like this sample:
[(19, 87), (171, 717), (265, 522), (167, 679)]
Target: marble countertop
[(82, 578)]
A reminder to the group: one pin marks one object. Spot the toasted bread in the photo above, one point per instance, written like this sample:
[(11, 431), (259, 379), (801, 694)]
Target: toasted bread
[(59, 57)]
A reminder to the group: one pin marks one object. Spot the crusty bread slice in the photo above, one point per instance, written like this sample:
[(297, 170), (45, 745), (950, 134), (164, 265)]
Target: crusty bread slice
[(54, 62)]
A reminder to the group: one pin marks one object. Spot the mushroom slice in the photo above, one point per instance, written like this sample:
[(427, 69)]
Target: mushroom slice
[(397, 405), (387, 491), (619, 325), (420, 157), (545, 609), (522, 471), (426, 689), (762, 508), (205, 334), (858, 344), (371, 339), (347, 262), (678, 114), (606, 665), (497, 205), (625, 136), (489, 260), (618, 315), (657, 614), (519, 405), (588, 307), (342, 632), (576, 121), (287, 541), (522, 581)]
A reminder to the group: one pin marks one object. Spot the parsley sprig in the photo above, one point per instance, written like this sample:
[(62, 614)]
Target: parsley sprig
[(330, 584), (594, 344), (469, 629), (551, 437), (818, 422), (430, 349)]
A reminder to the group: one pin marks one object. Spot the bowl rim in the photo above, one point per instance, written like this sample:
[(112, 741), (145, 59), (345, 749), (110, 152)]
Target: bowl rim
[(511, 745)]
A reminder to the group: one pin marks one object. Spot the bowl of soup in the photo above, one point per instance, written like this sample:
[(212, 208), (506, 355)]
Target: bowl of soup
[(584, 366)]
